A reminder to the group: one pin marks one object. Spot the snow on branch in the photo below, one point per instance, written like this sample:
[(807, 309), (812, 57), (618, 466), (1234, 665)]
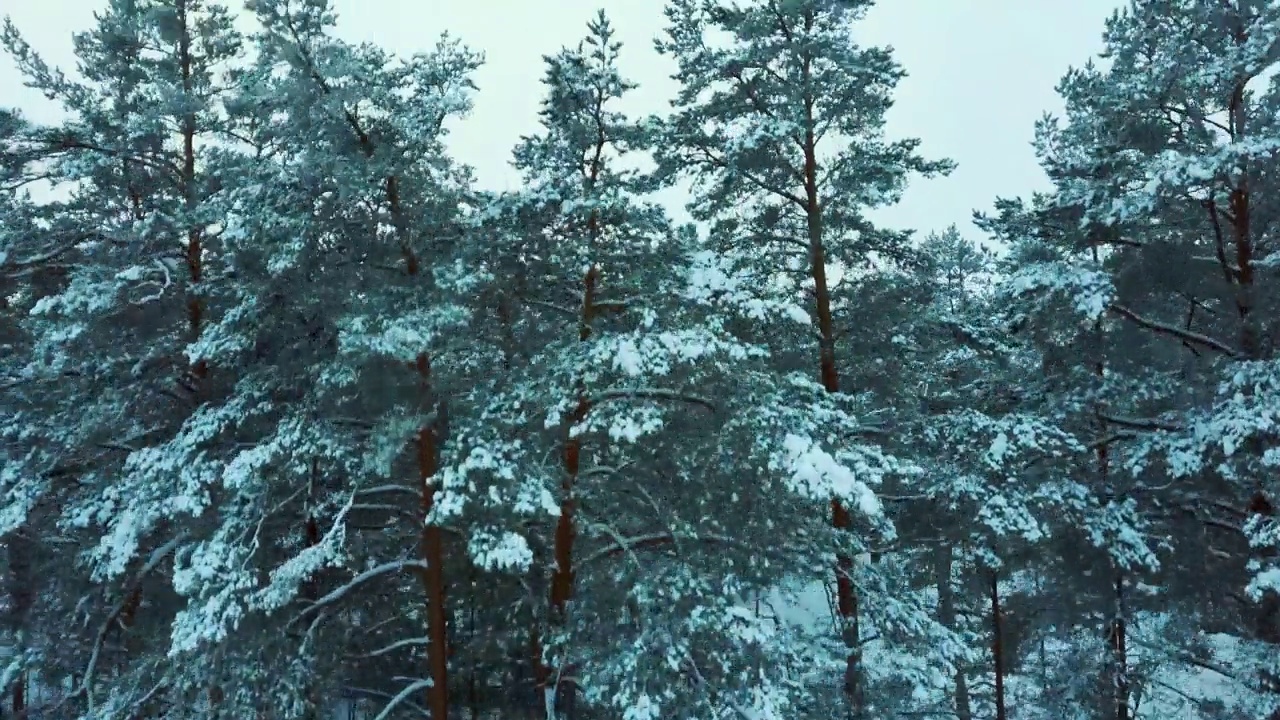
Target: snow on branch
[(1089, 291), (814, 473), (652, 394), (500, 550), (340, 593)]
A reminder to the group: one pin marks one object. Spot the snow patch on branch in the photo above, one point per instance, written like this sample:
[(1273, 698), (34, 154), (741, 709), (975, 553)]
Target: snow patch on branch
[(500, 550), (1089, 291), (713, 280), (817, 474)]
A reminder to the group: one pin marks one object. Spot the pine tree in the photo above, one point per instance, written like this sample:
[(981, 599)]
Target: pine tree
[(340, 229), (603, 348), (109, 345), (1151, 242), (785, 120)]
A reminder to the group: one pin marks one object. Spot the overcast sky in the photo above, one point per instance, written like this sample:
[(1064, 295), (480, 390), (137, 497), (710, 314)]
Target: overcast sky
[(980, 72)]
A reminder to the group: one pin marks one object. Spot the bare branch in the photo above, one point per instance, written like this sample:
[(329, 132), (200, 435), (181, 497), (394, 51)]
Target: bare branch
[(720, 162), (551, 306), (658, 540), (652, 394), (389, 489), (403, 695), (407, 642), (1139, 423), (340, 593), (1173, 331), (168, 281)]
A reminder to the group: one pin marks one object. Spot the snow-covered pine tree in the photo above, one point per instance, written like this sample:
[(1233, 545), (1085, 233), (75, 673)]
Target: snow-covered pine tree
[(603, 441), (996, 493), (568, 256), (129, 231), (780, 121), (1155, 237), (344, 332)]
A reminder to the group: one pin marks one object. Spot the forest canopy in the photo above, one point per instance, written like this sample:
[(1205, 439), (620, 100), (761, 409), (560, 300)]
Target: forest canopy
[(299, 420)]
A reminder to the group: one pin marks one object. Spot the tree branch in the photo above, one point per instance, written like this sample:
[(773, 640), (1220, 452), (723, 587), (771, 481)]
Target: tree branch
[(652, 394), (1173, 331)]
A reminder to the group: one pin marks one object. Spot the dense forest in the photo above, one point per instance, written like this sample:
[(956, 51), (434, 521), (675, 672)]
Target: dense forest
[(297, 420)]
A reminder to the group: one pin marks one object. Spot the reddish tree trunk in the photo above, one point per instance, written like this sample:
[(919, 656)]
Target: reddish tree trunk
[(846, 593), (563, 574), (562, 577), (431, 547), (431, 539)]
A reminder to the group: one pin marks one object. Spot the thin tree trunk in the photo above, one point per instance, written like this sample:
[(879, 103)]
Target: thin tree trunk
[(1119, 654), (128, 618), (1116, 634), (194, 258), (21, 599), (216, 698), (997, 645), (195, 248), (473, 690), (562, 579), (944, 559), (541, 675), (1242, 237), (20, 696), (311, 589)]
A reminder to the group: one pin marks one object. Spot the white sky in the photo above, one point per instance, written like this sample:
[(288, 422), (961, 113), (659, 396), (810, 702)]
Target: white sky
[(980, 72)]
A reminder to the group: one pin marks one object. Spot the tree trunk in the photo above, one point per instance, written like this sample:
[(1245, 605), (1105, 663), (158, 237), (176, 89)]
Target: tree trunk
[(20, 696), (564, 693), (473, 689), (541, 675), (21, 599), (195, 249), (431, 549), (311, 589), (1242, 235), (944, 560), (997, 646), (1119, 654), (1116, 634), (846, 594)]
